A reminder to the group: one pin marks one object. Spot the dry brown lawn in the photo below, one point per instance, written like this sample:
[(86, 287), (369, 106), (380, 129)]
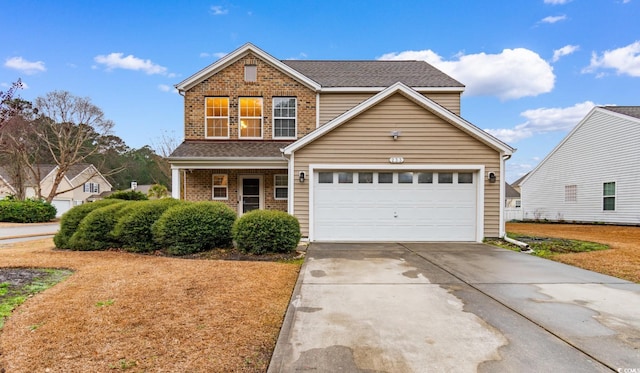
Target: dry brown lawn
[(122, 311), (622, 260)]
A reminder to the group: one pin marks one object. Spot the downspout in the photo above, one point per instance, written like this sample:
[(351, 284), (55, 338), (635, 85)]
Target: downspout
[(503, 231), (290, 181)]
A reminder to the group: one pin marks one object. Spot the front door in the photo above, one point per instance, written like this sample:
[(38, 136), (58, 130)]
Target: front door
[(250, 193)]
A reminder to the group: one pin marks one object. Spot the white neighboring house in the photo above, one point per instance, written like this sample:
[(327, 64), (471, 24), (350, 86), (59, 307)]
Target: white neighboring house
[(85, 178), (593, 174)]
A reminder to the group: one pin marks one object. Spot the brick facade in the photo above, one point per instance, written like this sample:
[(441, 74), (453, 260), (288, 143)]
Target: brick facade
[(230, 82), (199, 187)]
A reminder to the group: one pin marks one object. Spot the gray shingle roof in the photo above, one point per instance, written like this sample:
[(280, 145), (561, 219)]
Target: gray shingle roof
[(228, 149), (632, 111), (509, 192), (373, 73)]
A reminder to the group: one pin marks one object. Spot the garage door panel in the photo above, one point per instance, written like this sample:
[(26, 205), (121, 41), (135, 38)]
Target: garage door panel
[(395, 211)]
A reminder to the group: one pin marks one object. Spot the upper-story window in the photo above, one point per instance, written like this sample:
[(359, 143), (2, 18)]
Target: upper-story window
[(284, 117), (217, 117), (251, 117), (91, 188)]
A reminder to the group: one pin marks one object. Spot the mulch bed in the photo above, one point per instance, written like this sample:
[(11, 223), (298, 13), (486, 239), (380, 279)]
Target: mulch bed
[(122, 311), (622, 260)]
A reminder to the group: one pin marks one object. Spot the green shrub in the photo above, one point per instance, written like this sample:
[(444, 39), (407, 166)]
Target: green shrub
[(264, 231), (128, 195), (133, 229), (27, 211), (72, 218), (94, 231), (194, 227)]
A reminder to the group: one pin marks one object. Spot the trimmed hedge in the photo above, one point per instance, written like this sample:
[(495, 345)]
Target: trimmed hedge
[(27, 211), (128, 195), (72, 218), (94, 231), (133, 229), (265, 231), (194, 227)]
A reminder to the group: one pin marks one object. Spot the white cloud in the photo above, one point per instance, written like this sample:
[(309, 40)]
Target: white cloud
[(167, 88), (564, 51), (556, 2), (625, 60), (544, 120), (511, 74), (218, 10), (130, 62), (26, 67), (553, 19)]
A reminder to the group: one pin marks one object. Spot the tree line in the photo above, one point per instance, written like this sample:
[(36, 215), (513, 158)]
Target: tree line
[(65, 130)]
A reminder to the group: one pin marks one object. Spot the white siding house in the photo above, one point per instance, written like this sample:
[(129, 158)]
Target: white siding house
[(593, 175)]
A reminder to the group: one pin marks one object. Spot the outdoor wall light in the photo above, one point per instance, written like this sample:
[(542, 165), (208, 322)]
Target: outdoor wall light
[(301, 176), (395, 134), (492, 177)]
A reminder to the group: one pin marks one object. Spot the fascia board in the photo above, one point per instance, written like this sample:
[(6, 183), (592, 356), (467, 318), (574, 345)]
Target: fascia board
[(380, 89), (234, 56)]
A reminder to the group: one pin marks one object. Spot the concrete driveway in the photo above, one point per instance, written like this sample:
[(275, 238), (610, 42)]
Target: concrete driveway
[(434, 307)]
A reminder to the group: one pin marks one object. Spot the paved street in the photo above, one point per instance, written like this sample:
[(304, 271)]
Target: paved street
[(12, 232)]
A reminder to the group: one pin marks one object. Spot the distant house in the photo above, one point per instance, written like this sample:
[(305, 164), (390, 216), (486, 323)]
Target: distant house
[(593, 174), (84, 179)]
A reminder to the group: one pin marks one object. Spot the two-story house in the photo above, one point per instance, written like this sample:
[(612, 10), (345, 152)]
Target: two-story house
[(356, 150)]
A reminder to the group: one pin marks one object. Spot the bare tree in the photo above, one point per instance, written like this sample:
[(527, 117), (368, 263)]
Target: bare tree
[(164, 146), (71, 129), (7, 111)]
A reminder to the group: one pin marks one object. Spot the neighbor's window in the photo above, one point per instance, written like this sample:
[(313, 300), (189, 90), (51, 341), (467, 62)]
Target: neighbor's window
[(345, 177), (217, 117), (280, 186), (425, 177), (284, 117), (609, 196), (325, 177), (570, 193), (445, 178), (465, 178), (91, 188), (250, 73), (518, 203), (251, 117), (220, 186)]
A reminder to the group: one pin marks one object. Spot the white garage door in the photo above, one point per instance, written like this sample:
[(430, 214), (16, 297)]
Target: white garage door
[(395, 206), (61, 206)]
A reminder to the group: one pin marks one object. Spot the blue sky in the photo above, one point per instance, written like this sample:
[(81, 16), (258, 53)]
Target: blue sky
[(532, 69)]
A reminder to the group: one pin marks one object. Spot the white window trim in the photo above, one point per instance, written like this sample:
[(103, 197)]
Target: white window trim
[(214, 117), (240, 120), (276, 186), (213, 187), (91, 187), (273, 119), (614, 196)]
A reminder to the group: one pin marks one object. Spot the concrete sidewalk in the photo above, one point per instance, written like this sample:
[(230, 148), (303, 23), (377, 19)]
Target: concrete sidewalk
[(454, 307), (13, 232)]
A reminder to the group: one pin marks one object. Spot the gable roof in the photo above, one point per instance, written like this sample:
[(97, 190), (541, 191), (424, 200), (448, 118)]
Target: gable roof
[(236, 55), (632, 111), (509, 192), (416, 97), (331, 74), (519, 181), (618, 111)]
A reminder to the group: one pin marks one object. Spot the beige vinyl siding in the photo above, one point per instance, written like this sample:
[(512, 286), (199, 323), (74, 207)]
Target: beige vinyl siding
[(451, 101), (425, 139)]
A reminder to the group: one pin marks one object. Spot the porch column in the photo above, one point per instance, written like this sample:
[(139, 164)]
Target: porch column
[(175, 183)]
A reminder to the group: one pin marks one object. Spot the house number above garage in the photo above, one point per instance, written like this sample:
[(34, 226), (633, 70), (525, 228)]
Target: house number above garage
[(396, 160)]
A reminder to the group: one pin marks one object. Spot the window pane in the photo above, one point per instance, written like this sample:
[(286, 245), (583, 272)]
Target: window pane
[(609, 204), (284, 114), (365, 177), (219, 192), (281, 193), (345, 177), (445, 178), (325, 177), (425, 177), (570, 193), (220, 180), (217, 120), (385, 178), (405, 177), (465, 178), (609, 189), (281, 180)]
